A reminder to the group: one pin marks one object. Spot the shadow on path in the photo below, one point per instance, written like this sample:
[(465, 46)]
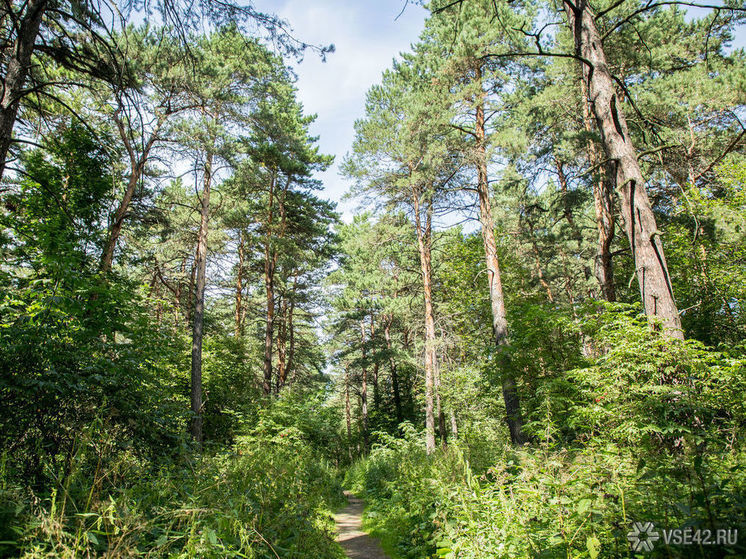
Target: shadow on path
[(356, 543)]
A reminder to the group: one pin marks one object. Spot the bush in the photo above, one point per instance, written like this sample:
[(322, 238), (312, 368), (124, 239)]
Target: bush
[(263, 497), (649, 430)]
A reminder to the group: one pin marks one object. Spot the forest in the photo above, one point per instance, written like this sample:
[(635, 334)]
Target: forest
[(529, 340)]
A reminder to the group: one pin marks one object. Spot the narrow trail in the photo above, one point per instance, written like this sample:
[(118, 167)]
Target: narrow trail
[(356, 543)]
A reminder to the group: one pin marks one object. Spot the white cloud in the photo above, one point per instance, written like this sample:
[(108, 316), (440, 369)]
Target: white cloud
[(367, 38)]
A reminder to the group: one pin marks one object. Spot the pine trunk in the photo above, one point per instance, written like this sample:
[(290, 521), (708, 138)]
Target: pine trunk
[(424, 246), (364, 390), (238, 315), (394, 373), (282, 346), (348, 417), (499, 318), (603, 202), (269, 290), (376, 394), (137, 167), (199, 305), (639, 221)]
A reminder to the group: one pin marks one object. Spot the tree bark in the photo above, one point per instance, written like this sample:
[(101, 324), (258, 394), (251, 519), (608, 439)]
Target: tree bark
[(348, 417), (439, 408), (376, 394), (364, 389), (394, 372), (639, 221), (238, 315), (291, 329), (199, 304), (454, 425), (137, 167), (497, 300), (18, 64), (282, 346), (603, 203), (269, 271), (424, 244)]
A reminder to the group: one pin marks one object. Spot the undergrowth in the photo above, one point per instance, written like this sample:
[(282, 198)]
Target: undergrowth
[(648, 430), (267, 496)]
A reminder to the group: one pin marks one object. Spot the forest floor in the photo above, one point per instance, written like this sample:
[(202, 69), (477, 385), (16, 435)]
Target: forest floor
[(356, 543)]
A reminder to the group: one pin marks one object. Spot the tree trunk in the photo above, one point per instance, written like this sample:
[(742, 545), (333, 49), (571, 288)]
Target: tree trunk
[(499, 318), (18, 64), (137, 167), (454, 425), (394, 373), (376, 394), (291, 329), (199, 305), (269, 271), (238, 316), (603, 203), (424, 243), (364, 389), (115, 231), (439, 408), (348, 417), (639, 221), (282, 346), (192, 282)]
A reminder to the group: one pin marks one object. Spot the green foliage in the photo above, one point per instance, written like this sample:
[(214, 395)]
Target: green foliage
[(649, 429), (73, 346), (266, 496)]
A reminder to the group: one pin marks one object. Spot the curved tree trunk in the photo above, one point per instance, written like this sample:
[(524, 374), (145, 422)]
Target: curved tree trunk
[(639, 221)]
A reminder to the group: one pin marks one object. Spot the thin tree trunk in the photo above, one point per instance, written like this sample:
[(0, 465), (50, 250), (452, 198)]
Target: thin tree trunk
[(137, 167), (238, 316), (424, 245), (17, 69), (603, 202), (269, 290), (394, 373), (364, 390), (199, 305), (499, 318), (291, 329), (282, 346), (192, 282), (376, 394), (564, 191), (348, 417), (639, 221), (439, 408)]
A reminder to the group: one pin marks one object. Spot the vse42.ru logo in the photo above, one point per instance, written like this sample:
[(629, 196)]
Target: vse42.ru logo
[(644, 535)]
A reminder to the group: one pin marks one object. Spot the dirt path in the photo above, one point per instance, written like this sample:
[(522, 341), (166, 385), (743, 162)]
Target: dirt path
[(356, 543)]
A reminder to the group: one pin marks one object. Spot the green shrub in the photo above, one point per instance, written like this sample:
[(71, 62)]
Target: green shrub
[(262, 498), (649, 430)]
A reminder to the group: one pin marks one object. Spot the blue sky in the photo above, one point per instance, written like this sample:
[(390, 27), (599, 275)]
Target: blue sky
[(367, 36)]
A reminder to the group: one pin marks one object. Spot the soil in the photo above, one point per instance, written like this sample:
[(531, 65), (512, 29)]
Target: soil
[(356, 543)]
